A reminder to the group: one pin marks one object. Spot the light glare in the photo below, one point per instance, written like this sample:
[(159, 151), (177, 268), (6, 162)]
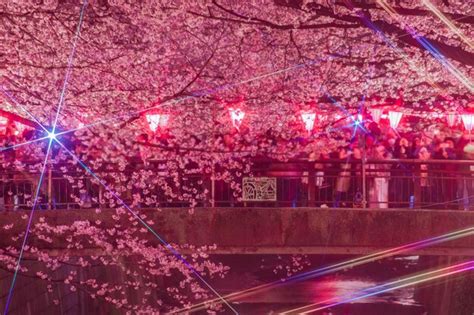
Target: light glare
[(51, 136)]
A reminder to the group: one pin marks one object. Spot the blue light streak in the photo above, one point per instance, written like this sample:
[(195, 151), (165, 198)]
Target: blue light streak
[(167, 245), (441, 58), (27, 231), (391, 44), (69, 66), (359, 120), (51, 135), (435, 53), (344, 265)]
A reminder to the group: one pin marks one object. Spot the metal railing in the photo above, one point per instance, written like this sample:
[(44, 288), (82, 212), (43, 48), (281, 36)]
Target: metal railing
[(430, 184)]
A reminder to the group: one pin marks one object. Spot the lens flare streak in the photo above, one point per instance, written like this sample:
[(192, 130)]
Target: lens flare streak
[(397, 50), (390, 286), (429, 47), (51, 135), (448, 22), (27, 231), (339, 266), (167, 245), (69, 65)]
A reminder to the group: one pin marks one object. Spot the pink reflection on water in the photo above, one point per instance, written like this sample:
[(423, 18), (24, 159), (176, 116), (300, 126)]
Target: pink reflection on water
[(326, 289)]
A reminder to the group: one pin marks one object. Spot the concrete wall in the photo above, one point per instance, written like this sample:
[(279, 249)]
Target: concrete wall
[(282, 230), (249, 230)]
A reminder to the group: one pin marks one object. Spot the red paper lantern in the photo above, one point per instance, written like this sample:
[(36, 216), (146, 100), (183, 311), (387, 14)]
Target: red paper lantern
[(308, 118), (157, 121), (3, 124), (376, 114), (394, 118), (468, 121), (236, 116), (452, 119)]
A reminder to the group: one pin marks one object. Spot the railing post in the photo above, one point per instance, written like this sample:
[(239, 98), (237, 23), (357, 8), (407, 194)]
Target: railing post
[(213, 170), (364, 183), (311, 186), (417, 186), (364, 174), (50, 186), (101, 196), (213, 189)]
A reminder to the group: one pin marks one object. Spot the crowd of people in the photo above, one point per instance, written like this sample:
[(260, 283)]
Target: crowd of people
[(397, 175), (401, 171)]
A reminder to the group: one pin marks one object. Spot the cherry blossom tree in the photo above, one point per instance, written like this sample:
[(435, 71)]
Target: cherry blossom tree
[(193, 60)]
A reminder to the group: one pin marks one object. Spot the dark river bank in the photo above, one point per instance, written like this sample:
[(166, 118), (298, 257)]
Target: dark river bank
[(434, 297)]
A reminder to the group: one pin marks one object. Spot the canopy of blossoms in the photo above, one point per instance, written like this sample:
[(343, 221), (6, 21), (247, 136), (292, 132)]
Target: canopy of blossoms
[(232, 78)]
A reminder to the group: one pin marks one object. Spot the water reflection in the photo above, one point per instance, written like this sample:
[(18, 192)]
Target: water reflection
[(330, 288), (249, 272)]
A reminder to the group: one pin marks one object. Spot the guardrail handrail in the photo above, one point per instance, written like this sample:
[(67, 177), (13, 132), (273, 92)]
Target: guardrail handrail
[(436, 177)]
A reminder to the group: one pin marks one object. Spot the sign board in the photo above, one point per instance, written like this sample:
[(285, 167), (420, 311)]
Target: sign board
[(259, 189)]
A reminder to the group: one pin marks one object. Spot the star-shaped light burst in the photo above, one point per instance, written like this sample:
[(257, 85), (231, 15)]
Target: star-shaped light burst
[(358, 120), (52, 135)]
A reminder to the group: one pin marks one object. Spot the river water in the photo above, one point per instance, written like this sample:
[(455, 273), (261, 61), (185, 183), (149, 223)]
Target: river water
[(252, 270)]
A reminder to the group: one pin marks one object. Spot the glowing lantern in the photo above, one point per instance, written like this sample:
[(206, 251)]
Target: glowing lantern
[(308, 119), (236, 116), (156, 121), (451, 118), (3, 121), (468, 121), (394, 118), (376, 114)]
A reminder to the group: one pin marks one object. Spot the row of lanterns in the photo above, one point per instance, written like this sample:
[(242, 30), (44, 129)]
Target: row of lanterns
[(160, 121), (237, 116), (393, 116), (451, 118)]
